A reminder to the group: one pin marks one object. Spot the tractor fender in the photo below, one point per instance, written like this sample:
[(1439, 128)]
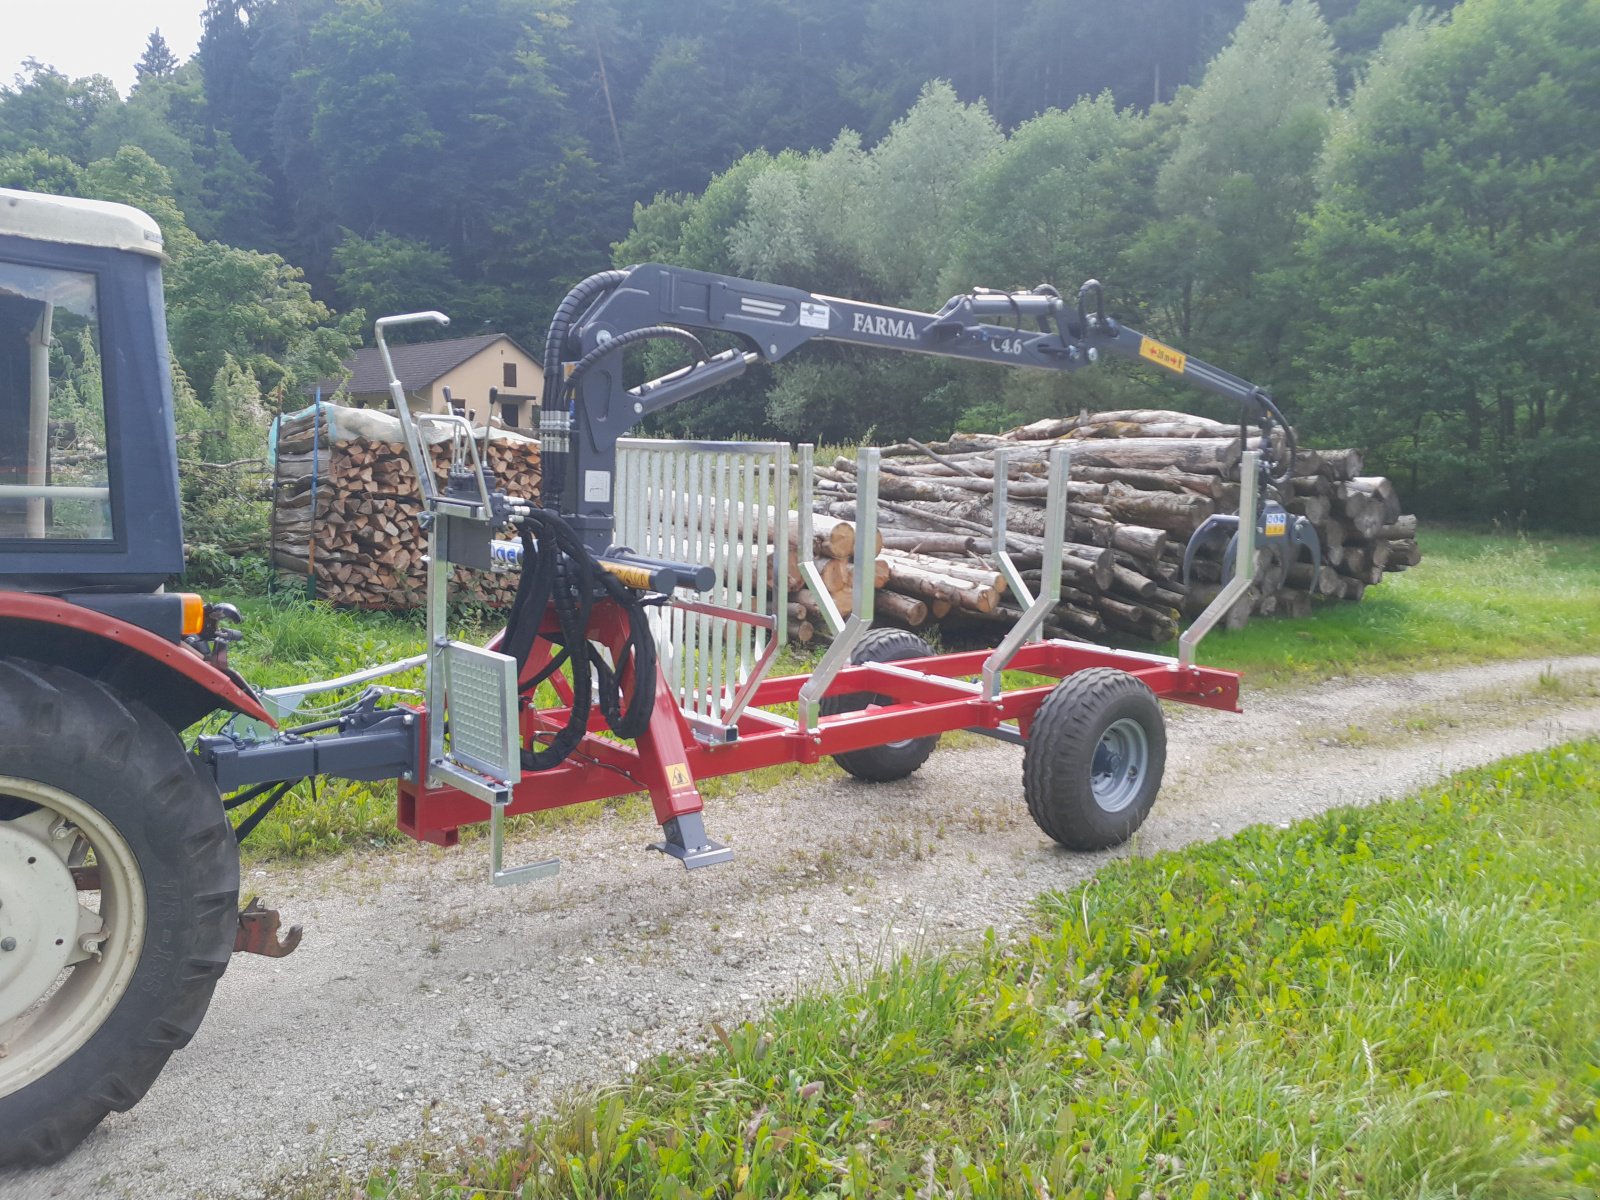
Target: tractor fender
[(170, 678)]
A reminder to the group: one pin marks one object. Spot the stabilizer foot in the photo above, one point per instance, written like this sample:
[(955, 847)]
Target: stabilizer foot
[(686, 841)]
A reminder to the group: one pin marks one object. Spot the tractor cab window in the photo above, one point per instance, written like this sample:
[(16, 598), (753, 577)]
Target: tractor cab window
[(54, 481)]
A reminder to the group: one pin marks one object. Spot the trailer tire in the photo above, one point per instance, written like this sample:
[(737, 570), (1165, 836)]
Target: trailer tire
[(1094, 758), (95, 1037), (896, 760)]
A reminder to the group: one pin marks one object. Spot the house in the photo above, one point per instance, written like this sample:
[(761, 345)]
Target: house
[(487, 376)]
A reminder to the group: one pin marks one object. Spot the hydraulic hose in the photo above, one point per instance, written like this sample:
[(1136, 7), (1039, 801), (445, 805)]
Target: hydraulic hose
[(1278, 471), (553, 406), (560, 574), (648, 333)]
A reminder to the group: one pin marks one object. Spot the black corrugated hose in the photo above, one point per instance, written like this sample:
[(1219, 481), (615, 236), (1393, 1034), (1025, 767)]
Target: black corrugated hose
[(559, 572), (553, 468)]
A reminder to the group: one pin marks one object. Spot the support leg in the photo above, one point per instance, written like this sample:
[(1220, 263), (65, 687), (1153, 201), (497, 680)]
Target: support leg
[(664, 768)]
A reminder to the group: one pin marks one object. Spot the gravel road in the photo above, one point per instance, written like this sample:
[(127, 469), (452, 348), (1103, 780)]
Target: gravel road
[(423, 1003)]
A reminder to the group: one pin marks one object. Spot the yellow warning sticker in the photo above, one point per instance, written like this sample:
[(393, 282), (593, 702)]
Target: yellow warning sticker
[(678, 775), (634, 577), (1162, 355)]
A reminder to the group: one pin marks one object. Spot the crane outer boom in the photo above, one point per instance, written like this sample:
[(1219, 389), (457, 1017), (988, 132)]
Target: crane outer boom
[(580, 427)]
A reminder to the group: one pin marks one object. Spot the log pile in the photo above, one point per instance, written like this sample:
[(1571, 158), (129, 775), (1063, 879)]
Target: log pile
[(1142, 481), (355, 530)]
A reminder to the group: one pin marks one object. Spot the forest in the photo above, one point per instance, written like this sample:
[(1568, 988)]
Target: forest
[(1389, 216)]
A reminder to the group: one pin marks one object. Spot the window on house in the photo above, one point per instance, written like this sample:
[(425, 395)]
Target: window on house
[(510, 371), (508, 415)]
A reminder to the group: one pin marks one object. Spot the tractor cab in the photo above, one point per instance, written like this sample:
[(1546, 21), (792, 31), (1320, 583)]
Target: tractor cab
[(88, 468)]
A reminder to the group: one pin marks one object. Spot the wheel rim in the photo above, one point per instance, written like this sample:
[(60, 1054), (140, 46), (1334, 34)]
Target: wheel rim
[(73, 950), (1121, 761), (874, 703), (880, 702)]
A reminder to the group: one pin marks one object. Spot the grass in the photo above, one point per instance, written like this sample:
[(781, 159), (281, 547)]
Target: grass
[(1475, 597), (1395, 1001), (287, 641)]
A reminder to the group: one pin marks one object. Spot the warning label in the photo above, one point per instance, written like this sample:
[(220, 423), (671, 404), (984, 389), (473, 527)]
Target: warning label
[(1162, 355), (678, 775)]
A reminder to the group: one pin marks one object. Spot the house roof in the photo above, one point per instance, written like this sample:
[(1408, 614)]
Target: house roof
[(417, 365)]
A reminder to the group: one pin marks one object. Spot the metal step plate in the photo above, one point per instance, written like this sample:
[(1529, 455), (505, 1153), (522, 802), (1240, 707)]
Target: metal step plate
[(481, 700)]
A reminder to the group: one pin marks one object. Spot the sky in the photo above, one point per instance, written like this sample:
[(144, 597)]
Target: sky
[(93, 37)]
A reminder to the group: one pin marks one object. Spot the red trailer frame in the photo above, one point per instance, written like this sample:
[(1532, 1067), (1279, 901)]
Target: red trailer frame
[(926, 696)]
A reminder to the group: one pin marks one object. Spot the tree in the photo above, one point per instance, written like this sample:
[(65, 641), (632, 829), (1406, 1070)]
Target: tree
[(257, 110), (222, 513), (915, 179), (223, 301), (1060, 201), (131, 176), (1065, 199), (36, 170), (680, 131), (1358, 27), (237, 417), (1240, 177), (777, 239), (158, 60), (387, 274), (221, 195), (256, 309), (1455, 260), (877, 223), (43, 109)]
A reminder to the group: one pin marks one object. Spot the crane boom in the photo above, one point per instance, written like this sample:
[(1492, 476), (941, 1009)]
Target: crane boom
[(587, 408)]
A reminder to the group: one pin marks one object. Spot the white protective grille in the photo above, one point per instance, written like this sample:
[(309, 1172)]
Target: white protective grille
[(725, 505)]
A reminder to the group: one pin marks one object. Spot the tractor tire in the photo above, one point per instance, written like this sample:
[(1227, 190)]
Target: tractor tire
[(1094, 758), (895, 760), (99, 800)]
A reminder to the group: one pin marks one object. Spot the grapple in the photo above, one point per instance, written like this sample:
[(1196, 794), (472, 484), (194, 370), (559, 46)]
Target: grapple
[(1278, 532)]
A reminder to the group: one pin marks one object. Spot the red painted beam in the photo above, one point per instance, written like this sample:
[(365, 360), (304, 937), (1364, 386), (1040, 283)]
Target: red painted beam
[(667, 761)]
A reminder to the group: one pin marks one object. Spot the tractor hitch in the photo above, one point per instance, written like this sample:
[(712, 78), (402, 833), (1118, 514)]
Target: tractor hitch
[(258, 932)]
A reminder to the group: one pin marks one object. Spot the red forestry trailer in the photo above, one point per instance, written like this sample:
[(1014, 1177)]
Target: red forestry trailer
[(645, 599)]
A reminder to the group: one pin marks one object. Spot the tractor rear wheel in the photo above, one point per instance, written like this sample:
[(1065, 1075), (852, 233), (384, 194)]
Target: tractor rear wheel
[(1094, 758), (895, 760), (119, 893)]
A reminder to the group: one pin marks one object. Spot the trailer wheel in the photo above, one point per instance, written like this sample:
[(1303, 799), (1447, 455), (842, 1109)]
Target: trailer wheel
[(894, 760), (119, 892), (1094, 758)]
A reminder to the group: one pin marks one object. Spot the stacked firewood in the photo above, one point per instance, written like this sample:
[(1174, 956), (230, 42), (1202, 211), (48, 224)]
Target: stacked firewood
[(1141, 483), (345, 509)]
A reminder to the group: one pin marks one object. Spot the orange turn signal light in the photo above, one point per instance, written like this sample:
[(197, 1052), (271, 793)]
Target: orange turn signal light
[(194, 613)]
